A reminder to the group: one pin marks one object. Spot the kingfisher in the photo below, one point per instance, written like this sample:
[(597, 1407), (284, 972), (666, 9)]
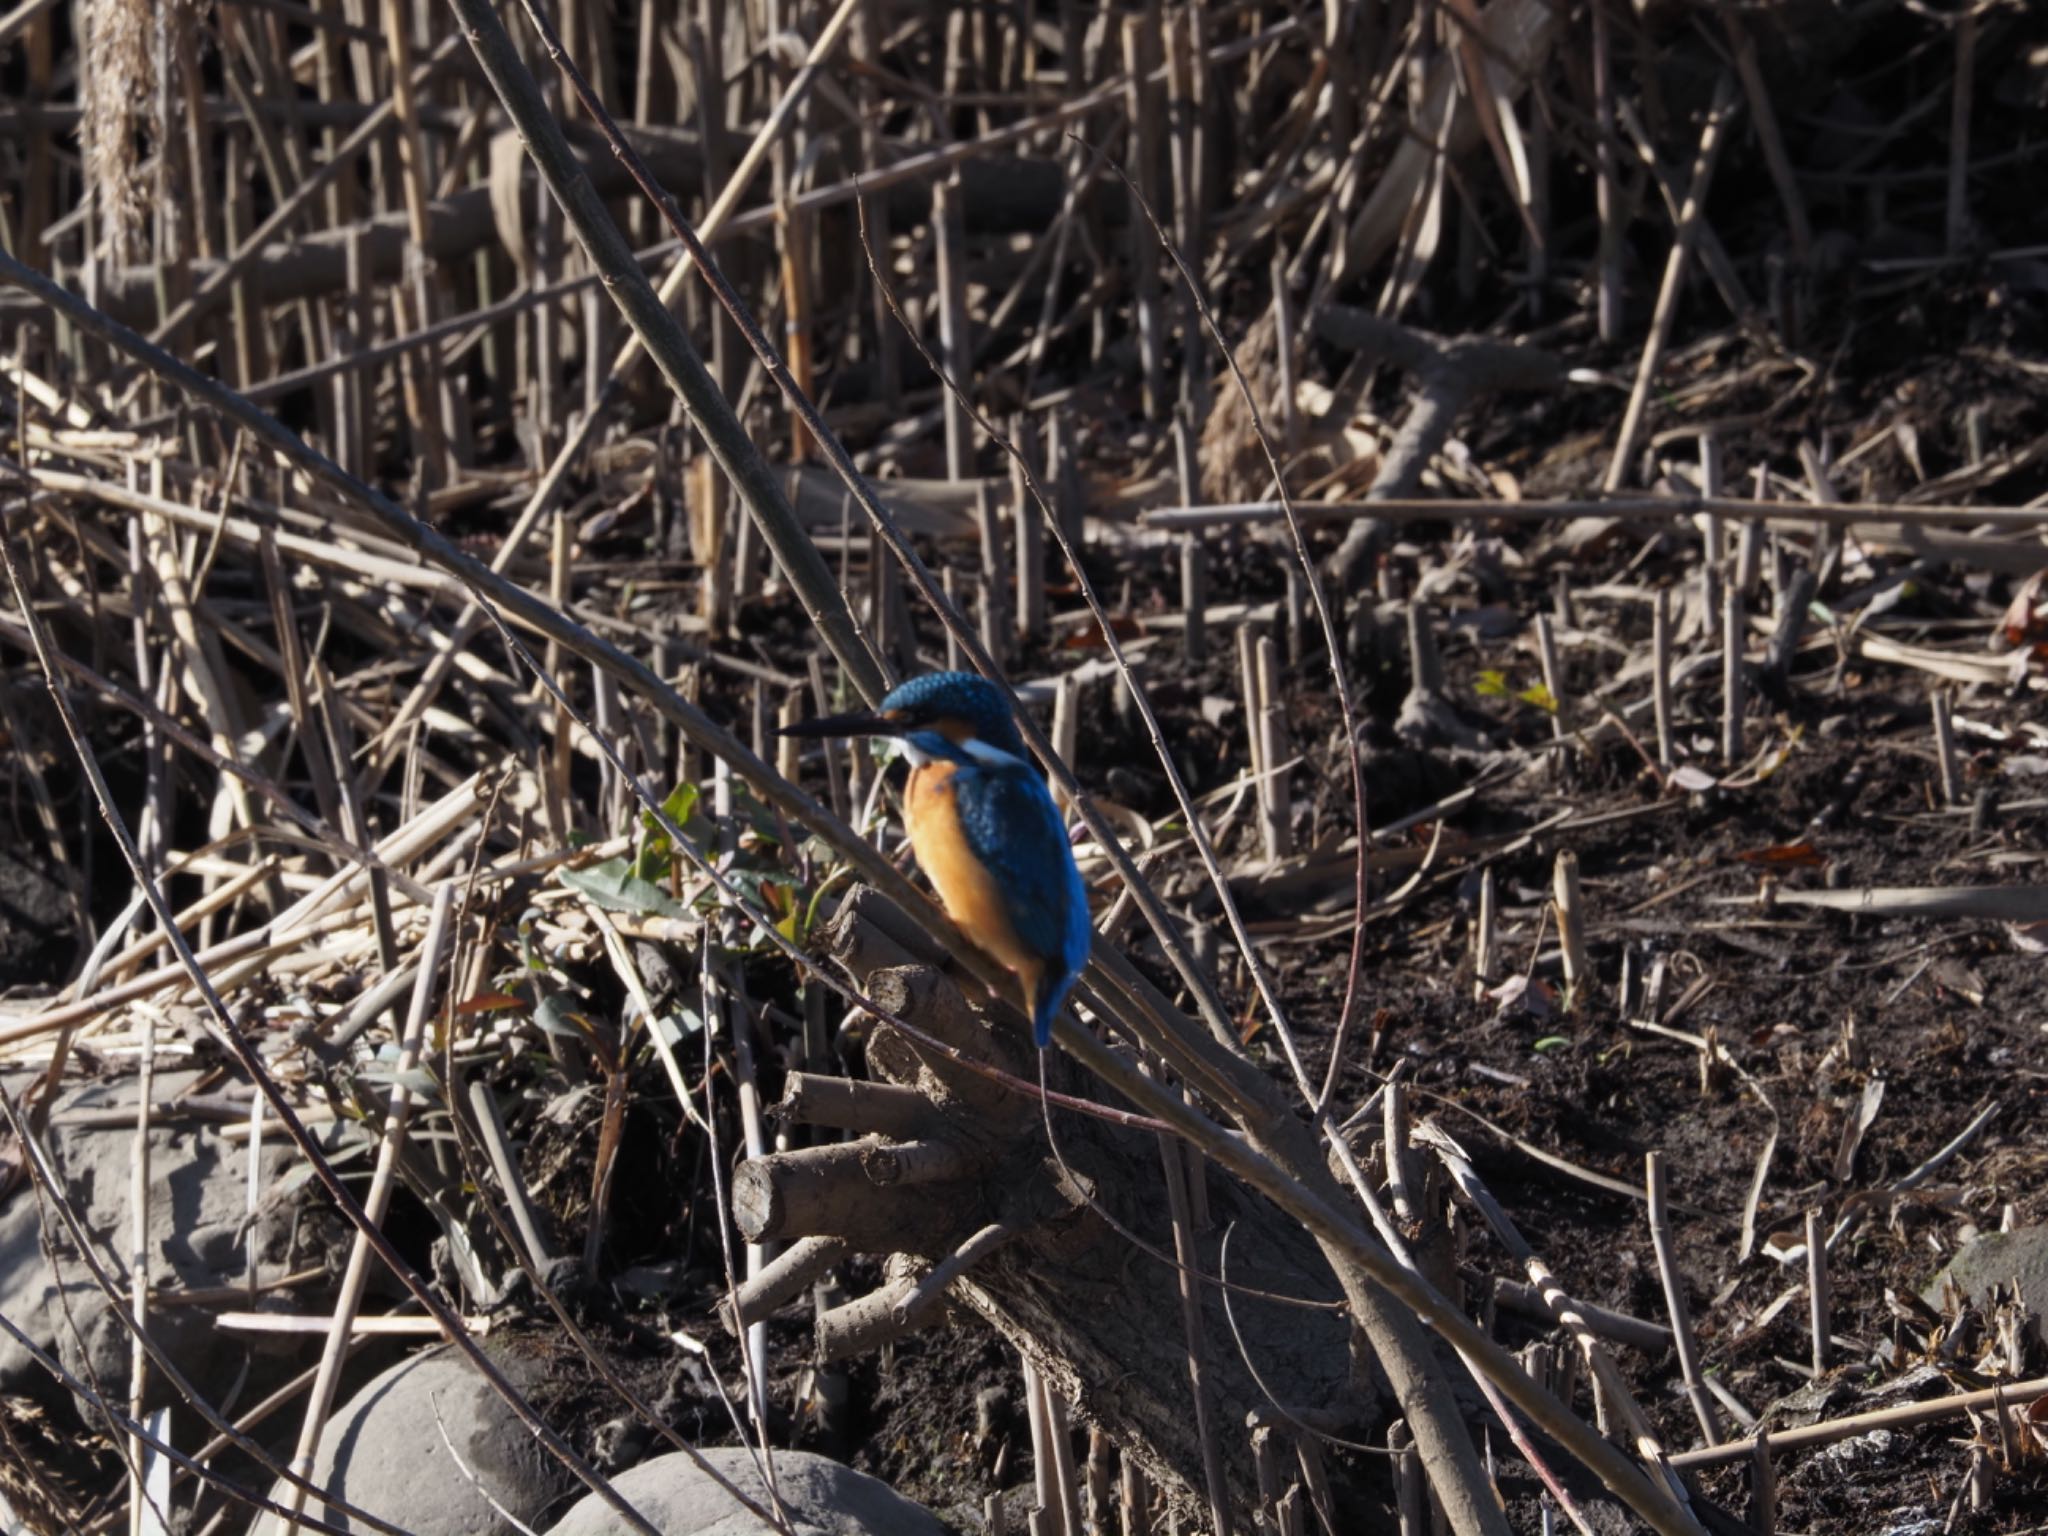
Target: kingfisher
[(985, 830)]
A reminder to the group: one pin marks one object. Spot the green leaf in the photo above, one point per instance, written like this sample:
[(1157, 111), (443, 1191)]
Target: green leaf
[(1552, 1043), (617, 886), (657, 849), (1539, 696), (1491, 685)]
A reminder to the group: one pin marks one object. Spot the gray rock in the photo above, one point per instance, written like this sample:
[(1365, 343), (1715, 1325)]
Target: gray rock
[(823, 1499), (1999, 1258), (197, 1195), (384, 1453)]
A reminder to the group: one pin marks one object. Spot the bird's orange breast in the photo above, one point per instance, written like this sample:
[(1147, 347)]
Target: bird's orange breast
[(971, 895)]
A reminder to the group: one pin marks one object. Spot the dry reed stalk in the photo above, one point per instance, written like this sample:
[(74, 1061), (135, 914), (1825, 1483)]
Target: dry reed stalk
[(1818, 1297), (320, 1400), (1945, 745), (1660, 683), (1569, 904), (1674, 1299), (1732, 686), (1690, 220), (1188, 1256)]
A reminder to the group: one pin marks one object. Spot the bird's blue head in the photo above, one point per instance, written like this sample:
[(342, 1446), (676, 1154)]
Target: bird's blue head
[(957, 707)]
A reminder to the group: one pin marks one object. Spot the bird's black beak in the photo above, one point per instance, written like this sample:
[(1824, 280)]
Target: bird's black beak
[(866, 724)]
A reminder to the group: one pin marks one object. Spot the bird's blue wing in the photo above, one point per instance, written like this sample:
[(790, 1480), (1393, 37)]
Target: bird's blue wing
[(1015, 830)]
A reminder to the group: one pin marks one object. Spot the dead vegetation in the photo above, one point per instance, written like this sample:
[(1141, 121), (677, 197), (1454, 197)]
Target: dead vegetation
[(1552, 723)]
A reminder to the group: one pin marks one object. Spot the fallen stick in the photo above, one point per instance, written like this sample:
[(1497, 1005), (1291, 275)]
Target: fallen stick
[(1423, 509), (2001, 903), (1904, 1416)]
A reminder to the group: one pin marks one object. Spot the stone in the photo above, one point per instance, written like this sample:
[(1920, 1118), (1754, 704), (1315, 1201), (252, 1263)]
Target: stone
[(1999, 1258), (383, 1452), (822, 1497), (194, 1240)]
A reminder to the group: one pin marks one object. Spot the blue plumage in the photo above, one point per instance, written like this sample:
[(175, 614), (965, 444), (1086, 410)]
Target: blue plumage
[(986, 831), (973, 701), (1015, 831)]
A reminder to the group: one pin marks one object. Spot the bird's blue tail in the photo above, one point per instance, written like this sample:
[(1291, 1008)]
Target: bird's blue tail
[(1052, 996)]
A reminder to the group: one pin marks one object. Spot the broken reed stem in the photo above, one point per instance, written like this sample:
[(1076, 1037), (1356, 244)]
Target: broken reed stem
[(956, 342), (1732, 700), (1571, 925), (1408, 1487), (1194, 568), (1945, 746), (1402, 1184), (1194, 599), (1030, 536), (995, 632), (1660, 675), (1713, 532), (1275, 794), (1546, 656), (1134, 1500), (1763, 1486), (1485, 935), (1818, 1299), (1066, 1480), (1674, 1299)]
